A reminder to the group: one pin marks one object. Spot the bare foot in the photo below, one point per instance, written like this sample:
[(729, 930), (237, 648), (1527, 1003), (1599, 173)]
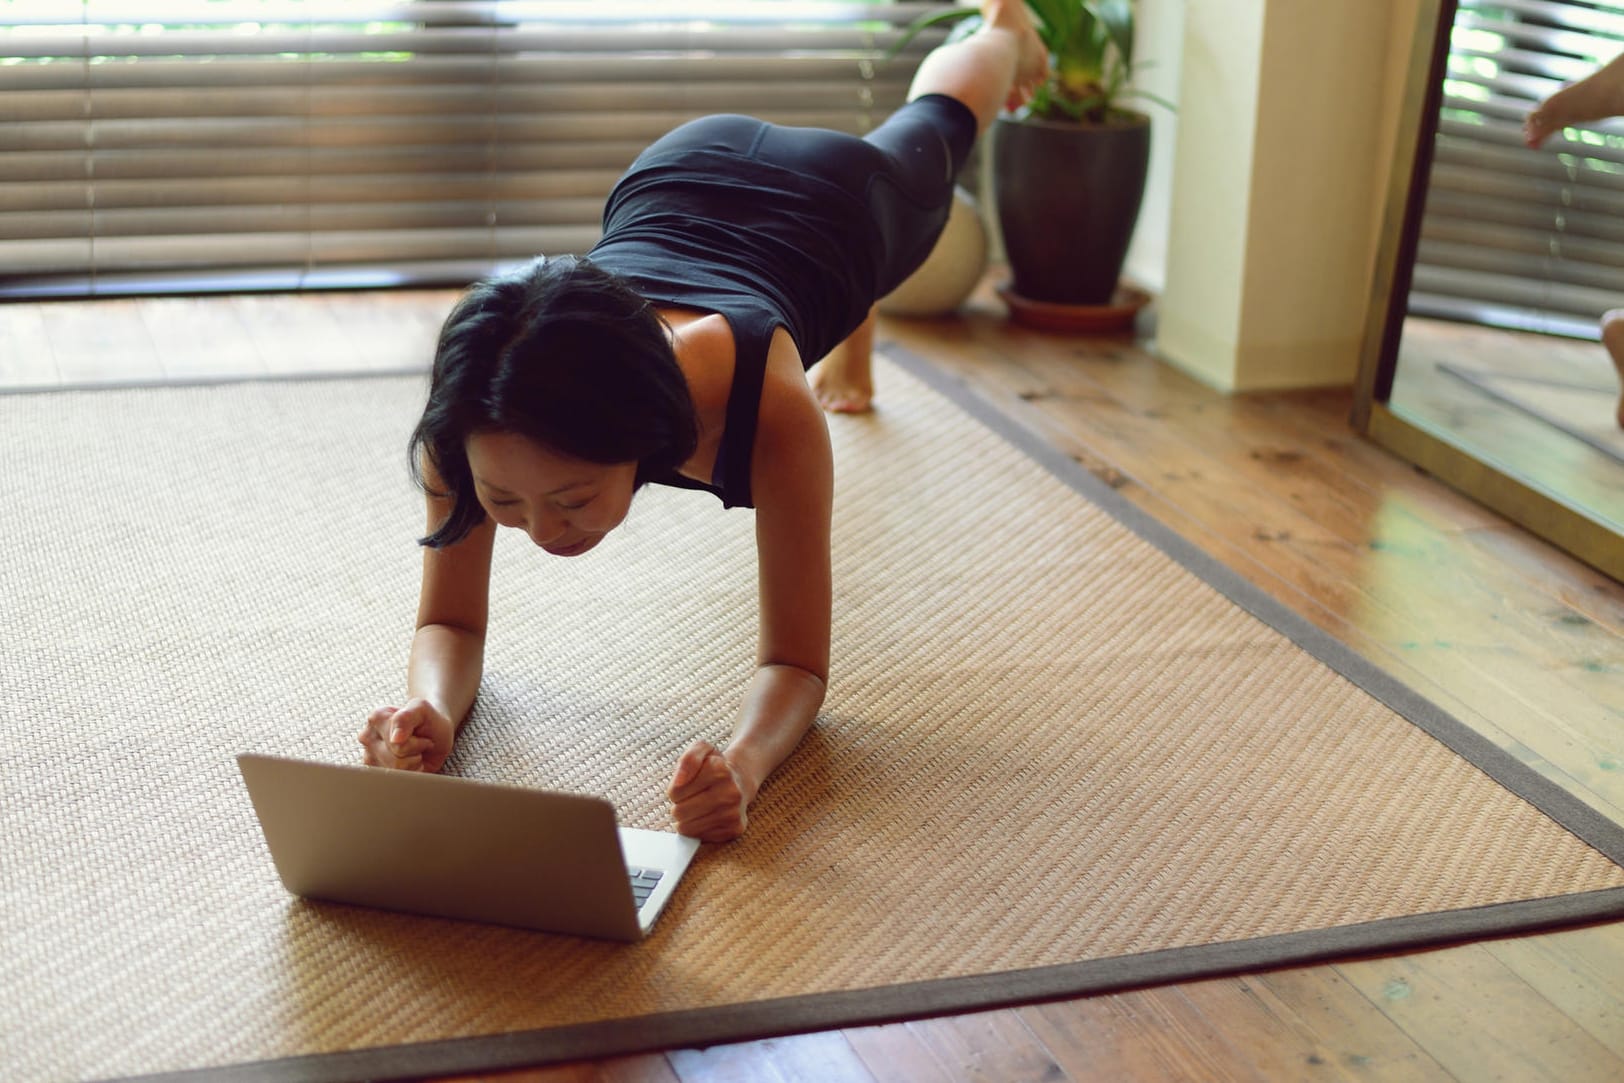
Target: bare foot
[(1612, 336), (844, 380), (840, 391), (1032, 58), (1594, 97)]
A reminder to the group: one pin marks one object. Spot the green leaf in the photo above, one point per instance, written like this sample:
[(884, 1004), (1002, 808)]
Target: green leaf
[(1149, 97), (1056, 20), (925, 22), (1117, 18)]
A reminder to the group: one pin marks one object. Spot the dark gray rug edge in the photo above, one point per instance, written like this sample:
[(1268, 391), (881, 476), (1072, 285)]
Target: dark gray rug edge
[(888, 1004), (744, 1022), (168, 383)]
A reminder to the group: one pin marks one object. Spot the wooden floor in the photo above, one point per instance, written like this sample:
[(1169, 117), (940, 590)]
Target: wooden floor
[(1510, 635)]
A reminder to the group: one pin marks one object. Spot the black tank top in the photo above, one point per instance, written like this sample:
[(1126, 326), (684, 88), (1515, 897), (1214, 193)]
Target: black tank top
[(713, 230)]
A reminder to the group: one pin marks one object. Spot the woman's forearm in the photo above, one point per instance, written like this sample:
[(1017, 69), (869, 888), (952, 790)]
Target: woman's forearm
[(445, 667), (780, 705)]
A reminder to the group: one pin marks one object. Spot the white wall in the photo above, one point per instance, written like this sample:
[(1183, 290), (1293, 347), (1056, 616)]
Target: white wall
[(1199, 311), (1159, 49), (1286, 127)]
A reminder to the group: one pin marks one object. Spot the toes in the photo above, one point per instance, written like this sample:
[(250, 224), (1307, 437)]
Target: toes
[(846, 403), (842, 397)]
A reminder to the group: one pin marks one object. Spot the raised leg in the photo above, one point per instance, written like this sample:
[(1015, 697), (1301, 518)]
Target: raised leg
[(996, 67)]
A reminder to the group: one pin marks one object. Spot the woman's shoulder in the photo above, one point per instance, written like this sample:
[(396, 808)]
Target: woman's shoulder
[(788, 406), (792, 463)]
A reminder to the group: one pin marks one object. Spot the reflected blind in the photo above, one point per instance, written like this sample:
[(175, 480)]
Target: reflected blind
[(1513, 237), (282, 144)]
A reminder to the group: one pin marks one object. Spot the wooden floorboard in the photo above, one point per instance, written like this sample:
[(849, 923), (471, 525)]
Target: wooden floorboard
[(1513, 637)]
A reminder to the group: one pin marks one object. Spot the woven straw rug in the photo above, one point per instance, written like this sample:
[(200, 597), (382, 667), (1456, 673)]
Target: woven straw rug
[(1062, 753)]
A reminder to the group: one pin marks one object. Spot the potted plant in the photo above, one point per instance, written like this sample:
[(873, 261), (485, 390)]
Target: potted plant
[(1069, 168)]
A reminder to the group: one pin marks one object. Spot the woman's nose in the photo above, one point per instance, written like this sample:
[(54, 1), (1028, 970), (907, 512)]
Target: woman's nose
[(544, 528)]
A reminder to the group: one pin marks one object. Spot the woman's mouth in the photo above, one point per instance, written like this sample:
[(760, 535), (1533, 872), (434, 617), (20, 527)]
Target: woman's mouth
[(571, 550)]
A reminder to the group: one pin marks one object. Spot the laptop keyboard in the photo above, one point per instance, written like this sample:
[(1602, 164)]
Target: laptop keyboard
[(643, 883)]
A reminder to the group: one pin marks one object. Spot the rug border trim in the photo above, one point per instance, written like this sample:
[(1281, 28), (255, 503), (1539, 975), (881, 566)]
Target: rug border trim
[(215, 379), (702, 1027)]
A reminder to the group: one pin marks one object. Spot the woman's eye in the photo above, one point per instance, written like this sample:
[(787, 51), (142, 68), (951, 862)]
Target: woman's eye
[(575, 507)]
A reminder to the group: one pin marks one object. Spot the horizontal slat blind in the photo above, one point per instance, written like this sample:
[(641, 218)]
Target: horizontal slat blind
[(217, 144), (1513, 237)]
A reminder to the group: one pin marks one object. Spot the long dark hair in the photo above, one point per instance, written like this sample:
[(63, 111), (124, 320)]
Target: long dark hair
[(561, 352)]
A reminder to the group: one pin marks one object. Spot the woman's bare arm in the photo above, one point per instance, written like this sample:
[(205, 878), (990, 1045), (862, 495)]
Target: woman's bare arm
[(447, 656), (1595, 97), (792, 480)]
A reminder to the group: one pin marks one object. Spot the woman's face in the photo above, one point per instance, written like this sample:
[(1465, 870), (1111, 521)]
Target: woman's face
[(566, 505)]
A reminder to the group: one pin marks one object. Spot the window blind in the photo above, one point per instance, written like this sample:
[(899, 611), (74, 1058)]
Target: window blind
[(283, 144), (1513, 237)]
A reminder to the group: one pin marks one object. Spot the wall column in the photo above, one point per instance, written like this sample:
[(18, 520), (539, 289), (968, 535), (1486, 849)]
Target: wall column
[(1287, 110)]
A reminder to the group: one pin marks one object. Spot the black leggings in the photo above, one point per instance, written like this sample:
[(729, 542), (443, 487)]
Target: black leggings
[(903, 171)]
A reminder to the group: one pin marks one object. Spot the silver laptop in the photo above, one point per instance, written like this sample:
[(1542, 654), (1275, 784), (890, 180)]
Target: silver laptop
[(452, 847)]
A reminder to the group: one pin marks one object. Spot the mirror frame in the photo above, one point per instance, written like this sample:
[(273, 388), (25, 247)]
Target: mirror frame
[(1537, 511)]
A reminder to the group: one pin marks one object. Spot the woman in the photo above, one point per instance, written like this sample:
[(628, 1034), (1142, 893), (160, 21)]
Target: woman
[(734, 255)]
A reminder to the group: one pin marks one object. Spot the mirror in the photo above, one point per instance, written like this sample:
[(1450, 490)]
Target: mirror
[(1485, 362)]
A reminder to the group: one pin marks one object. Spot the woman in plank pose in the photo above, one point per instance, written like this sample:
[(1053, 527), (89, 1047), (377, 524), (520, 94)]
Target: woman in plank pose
[(735, 254)]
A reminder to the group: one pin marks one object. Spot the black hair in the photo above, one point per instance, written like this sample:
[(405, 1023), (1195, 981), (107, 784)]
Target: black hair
[(566, 354)]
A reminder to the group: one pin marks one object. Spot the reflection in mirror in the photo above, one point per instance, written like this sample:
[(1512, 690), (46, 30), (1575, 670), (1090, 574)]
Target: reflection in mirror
[(1517, 289)]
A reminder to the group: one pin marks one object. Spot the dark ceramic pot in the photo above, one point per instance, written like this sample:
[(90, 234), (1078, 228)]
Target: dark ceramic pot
[(1068, 197)]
